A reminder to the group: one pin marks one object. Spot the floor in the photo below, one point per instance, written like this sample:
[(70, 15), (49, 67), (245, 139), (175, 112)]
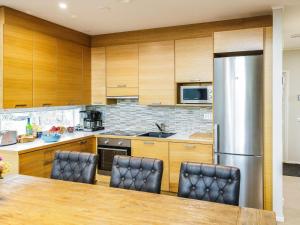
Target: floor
[(291, 193)]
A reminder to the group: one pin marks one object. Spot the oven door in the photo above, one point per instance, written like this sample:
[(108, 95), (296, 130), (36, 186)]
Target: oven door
[(194, 94), (106, 157)]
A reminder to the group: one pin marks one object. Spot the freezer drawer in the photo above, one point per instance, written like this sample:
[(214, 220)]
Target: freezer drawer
[(251, 186)]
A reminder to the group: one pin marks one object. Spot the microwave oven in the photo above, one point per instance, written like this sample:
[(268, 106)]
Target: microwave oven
[(196, 94)]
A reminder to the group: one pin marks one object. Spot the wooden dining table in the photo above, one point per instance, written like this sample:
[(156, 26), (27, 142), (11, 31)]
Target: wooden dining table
[(33, 200)]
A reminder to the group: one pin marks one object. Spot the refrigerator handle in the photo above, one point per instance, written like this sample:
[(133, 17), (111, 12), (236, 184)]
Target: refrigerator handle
[(216, 137)]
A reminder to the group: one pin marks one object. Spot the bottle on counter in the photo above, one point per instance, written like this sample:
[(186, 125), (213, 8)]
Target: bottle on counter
[(28, 127)]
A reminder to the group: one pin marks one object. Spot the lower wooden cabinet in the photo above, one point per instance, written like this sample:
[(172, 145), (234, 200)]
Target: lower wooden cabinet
[(154, 149), (182, 152), (39, 163)]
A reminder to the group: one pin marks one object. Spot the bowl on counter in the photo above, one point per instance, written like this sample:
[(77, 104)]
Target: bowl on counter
[(50, 137)]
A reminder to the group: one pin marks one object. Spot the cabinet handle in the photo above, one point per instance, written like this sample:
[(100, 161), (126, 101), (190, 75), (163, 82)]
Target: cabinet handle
[(20, 105), (98, 103), (190, 146), (47, 162), (46, 104), (122, 86), (83, 142), (148, 142), (156, 103)]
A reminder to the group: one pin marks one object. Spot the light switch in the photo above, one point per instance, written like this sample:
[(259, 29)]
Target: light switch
[(207, 116)]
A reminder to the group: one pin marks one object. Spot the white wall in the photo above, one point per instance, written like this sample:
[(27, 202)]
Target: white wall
[(291, 64)]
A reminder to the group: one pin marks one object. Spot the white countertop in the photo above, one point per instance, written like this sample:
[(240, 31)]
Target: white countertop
[(38, 143)]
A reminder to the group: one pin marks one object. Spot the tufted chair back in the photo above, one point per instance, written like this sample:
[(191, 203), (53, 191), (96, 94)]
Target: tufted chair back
[(74, 166), (208, 182), (140, 174)]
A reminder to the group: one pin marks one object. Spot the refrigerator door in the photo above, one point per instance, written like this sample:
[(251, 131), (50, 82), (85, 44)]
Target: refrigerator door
[(251, 186), (238, 104)]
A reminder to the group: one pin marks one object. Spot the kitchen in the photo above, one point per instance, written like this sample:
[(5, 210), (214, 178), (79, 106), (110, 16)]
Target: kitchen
[(147, 93)]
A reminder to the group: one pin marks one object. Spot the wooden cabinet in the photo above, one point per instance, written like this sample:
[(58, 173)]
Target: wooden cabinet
[(70, 67), (182, 152), (194, 60), (156, 73), (122, 68), (86, 73), (17, 67), (239, 40), (98, 62), (154, 149), (32, 163), (44, 70), (39, 162)]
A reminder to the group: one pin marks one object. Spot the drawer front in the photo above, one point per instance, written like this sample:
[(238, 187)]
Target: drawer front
[(153, 149), (182, 152), (122, 91)]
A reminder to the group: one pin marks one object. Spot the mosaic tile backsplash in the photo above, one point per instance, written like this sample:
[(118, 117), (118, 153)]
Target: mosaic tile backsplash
[(126, 115), (16, 119), (129, 115)]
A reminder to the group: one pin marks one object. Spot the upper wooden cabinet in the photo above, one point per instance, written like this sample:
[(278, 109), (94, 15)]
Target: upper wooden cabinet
[(156, 73), (17, 67), (194, 60), (98, 76), (239, 40), (70, 67), (44, 70), (86, 73), (122, 68)]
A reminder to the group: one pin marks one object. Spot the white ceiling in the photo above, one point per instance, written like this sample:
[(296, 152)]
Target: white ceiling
[(291, 26), (109, 16)]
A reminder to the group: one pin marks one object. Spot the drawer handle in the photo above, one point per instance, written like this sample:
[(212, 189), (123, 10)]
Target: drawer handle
[(195, 80), (83, 142), (20, 105), (122, 86), (148, 142), (190, 146), (46, 104), (98, 103), (47, 162), (156, 103)]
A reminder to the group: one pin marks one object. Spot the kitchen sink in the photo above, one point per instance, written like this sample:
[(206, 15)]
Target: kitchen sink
[(157, 134)]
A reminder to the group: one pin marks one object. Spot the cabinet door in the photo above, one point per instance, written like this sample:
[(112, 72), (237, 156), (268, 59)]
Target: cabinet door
[(44, 70), (69, 73), (17, 67), (156, 73), (32, 163), (239, 40), (86, 92), (157, 150), (49, 154), (89, 145), (122, 69), (194, 60), (185, 152), (98, 76)]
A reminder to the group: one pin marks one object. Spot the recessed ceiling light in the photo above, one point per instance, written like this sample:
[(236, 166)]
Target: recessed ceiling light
[(295, 36), (125, 1), (62, 5), (107, 8)]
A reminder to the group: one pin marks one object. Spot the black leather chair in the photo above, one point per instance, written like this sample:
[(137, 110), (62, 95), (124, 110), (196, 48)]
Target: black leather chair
[(140, 174), (208, 182), (74, 166)]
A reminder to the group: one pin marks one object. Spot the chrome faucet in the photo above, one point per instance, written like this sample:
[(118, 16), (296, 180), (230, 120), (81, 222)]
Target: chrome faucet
[(161, 127)]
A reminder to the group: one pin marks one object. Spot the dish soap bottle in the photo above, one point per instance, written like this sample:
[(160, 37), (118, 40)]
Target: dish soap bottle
[(28, 128)]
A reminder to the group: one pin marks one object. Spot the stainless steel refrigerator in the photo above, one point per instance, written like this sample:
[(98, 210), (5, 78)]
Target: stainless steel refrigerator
[(238, 129)]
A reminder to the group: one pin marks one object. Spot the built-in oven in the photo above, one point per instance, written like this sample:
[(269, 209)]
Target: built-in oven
[(107, 149), (196, 94)]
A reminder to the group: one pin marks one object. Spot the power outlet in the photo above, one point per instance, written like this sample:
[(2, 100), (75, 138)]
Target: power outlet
[(207, 116)]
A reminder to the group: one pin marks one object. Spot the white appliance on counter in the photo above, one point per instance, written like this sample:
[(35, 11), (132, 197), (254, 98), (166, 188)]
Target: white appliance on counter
[(8, 137), (238, 108)]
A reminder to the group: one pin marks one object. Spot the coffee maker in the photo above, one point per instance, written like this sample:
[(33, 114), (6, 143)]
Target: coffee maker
[(91, 120)]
